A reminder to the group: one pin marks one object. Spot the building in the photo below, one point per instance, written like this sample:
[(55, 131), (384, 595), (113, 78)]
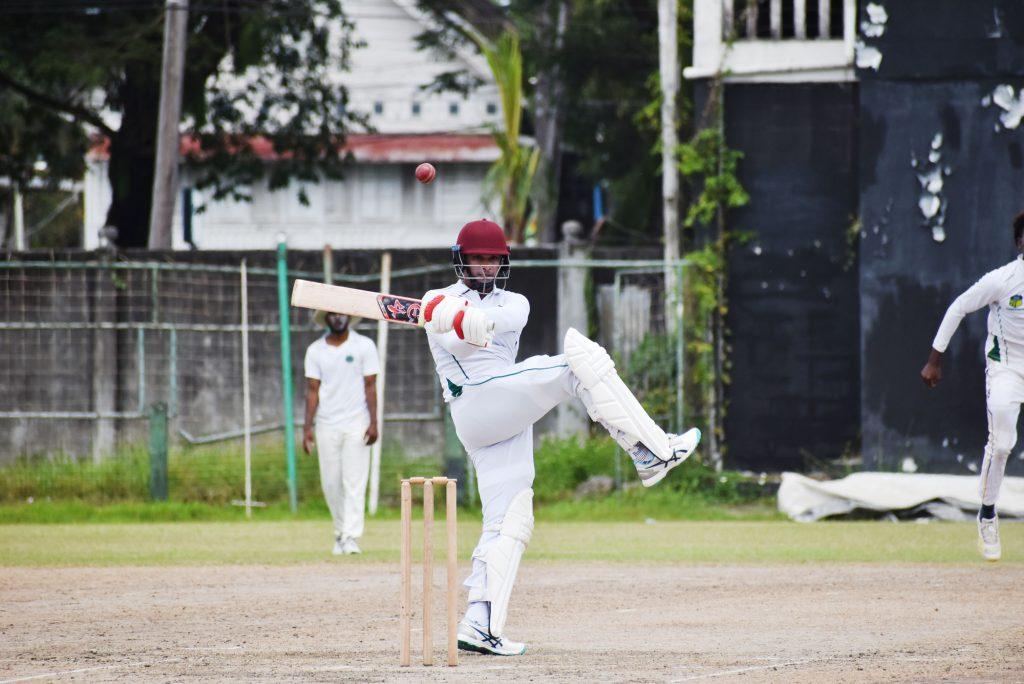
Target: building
[(882, 153), (379, 204)]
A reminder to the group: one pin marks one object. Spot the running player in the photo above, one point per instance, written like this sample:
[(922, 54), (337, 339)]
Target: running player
[(1002, 290), (473, 330)]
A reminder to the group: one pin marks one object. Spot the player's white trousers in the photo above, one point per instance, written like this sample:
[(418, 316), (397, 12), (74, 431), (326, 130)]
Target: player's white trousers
[(1004, 392), (494, 420), (344, 470), (493, 409)]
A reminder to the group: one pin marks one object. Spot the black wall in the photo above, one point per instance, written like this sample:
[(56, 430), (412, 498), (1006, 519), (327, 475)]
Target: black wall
[(793, 311), (939, 63)]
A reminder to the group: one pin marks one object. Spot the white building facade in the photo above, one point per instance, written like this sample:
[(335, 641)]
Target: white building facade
[(780, 41), (379, 204)]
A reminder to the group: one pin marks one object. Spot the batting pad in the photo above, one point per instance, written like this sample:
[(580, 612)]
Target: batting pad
[(503, 556), (611, 399)]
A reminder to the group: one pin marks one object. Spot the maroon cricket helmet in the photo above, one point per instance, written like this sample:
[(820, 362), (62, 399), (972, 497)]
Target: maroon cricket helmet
[(481, 237)]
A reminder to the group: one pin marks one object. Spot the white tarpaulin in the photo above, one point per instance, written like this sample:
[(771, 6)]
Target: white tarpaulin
[(942, 496)]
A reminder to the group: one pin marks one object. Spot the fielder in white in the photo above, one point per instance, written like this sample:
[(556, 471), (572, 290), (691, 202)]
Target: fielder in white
[(341, 401), (495, 402), (1002, 291)]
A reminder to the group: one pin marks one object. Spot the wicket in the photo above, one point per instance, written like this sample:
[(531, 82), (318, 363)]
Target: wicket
[(451, 520)]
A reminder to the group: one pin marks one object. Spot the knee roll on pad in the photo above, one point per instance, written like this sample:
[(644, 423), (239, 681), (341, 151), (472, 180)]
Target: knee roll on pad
[(588, 360), (503, 556)]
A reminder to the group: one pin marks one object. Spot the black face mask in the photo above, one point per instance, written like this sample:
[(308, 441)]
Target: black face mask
[(479, 283)]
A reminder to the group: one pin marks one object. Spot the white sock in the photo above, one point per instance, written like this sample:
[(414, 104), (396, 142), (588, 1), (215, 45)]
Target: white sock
[(479, 612)]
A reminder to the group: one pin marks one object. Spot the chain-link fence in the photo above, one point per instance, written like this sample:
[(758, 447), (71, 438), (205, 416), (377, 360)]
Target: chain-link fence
[(89, 347)]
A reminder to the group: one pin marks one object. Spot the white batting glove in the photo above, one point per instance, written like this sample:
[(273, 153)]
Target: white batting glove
[(474, 326), (440, 312)]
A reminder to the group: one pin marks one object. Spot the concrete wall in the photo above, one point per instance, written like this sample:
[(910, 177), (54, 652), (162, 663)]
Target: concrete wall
[(941, 178), (792, 287)]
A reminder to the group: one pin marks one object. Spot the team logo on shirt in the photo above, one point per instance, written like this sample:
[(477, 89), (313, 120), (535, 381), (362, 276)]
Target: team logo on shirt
[(1016, 301), (350, 358)]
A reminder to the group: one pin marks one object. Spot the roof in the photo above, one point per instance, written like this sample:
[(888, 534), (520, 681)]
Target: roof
[(371, 148)]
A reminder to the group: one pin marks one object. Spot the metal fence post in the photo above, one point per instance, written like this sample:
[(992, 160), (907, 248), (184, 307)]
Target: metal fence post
[(455, 461), (286, 371), (158, 452), (680, 346)]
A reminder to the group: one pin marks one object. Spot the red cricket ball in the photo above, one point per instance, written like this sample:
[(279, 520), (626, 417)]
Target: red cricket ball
[(425, 172)]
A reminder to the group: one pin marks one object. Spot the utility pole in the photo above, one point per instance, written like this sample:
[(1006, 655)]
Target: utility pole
[(548, 111), (165, 178), (19, 220), (668, 61)]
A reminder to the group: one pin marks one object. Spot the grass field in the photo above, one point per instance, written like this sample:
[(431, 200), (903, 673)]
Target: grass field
[(699, 579), (303, 541)]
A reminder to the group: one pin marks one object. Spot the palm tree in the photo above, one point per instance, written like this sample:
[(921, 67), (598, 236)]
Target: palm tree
[(510, 178)]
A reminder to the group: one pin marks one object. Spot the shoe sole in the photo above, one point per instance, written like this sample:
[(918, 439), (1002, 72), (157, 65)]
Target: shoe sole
[(992, 559), (483, 650)]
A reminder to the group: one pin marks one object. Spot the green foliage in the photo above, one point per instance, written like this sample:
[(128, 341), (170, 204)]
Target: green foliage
[(651, 374), (204, 481), (510, 178), (286, 55), (853, 235), (711, 168), (257, 68), (28, 135), (563, 464), (703, 302), (211, 474), (604, 71)]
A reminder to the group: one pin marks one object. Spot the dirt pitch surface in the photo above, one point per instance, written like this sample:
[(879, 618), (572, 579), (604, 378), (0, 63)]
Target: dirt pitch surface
[(582, 621)]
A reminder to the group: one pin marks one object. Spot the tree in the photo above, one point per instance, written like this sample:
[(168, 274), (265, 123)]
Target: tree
[(511, 176), (255, 69), (590, 71)]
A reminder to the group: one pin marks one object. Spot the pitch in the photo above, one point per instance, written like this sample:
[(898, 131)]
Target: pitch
[(602, 602)]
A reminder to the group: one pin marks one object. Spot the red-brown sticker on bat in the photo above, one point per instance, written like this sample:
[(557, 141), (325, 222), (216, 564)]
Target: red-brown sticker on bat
[(399, 309)]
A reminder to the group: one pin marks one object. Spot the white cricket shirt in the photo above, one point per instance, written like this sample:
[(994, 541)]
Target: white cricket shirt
[(1003, 291), (340, 371), (458, 361)]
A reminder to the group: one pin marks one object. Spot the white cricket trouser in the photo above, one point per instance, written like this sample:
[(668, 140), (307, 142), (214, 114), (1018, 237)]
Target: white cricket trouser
[(1004, 392), (344, 469), (494, 419)]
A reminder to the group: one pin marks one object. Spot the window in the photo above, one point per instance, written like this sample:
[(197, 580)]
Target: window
[(453, 108), (415, 108), (378, 107), (492, 108)]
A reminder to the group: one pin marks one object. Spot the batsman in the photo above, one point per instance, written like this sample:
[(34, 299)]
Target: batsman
[(473, 329)]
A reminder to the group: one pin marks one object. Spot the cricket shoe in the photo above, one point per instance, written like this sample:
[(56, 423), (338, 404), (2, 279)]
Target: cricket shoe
[(349, 547), (652, 469), (988, 539), (478, 639), (339, 547)]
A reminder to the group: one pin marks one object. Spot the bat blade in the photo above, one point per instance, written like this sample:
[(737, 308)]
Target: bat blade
[(355, 302)]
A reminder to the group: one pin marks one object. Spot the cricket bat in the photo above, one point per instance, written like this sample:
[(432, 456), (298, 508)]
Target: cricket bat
[(354, 302)]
